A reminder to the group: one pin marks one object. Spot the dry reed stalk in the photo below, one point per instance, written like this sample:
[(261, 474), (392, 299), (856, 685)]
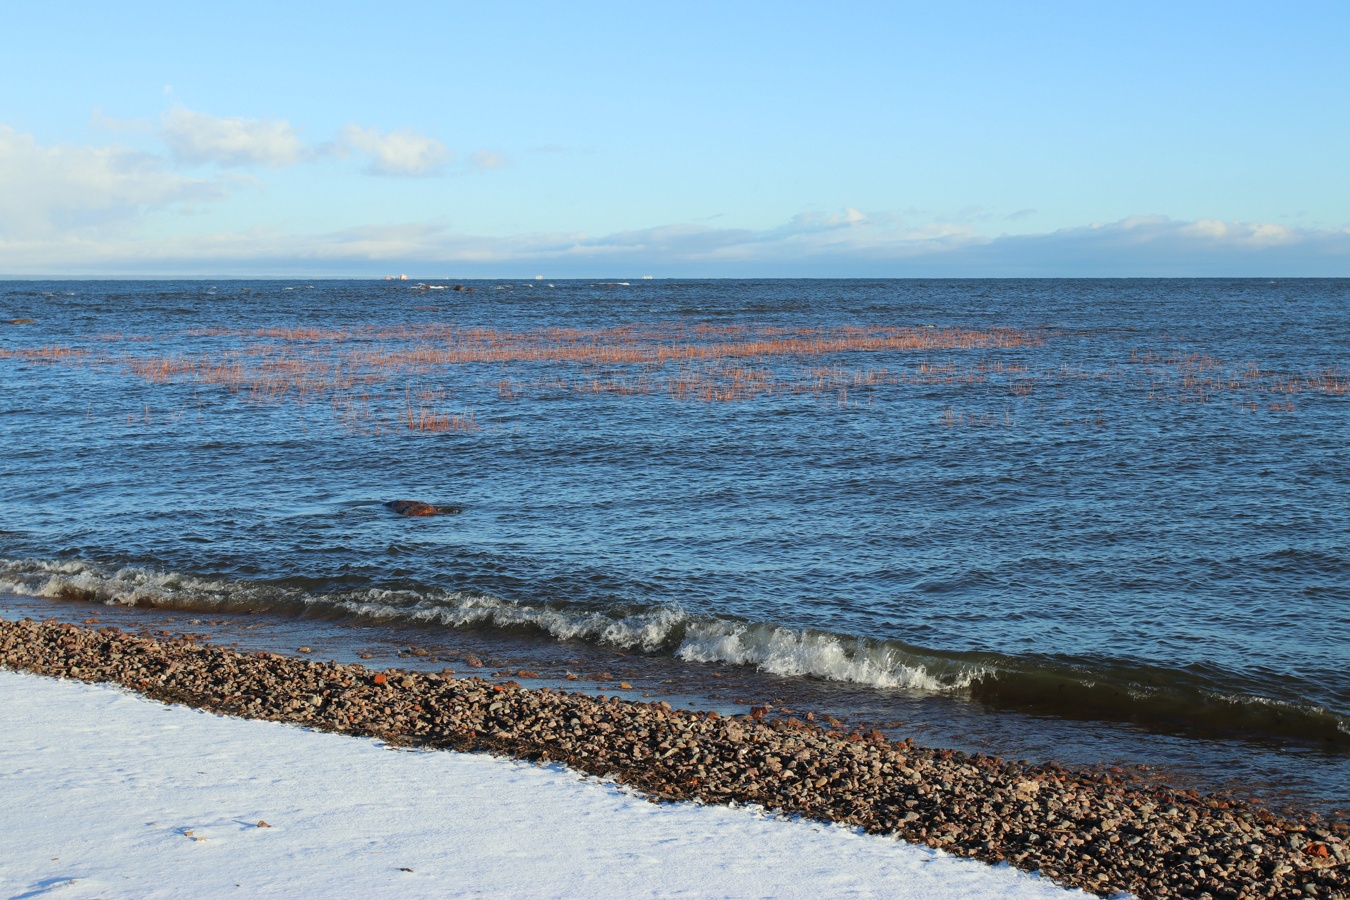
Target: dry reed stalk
[(689, 362), (53, 354)]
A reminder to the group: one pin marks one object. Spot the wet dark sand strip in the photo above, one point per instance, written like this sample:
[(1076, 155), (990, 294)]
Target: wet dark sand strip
[(1083, 830)]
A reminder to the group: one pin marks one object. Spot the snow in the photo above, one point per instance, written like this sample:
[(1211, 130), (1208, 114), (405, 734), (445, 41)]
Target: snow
[(106, 794)]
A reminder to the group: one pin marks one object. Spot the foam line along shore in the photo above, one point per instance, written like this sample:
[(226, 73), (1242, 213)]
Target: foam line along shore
[(1083, 830), (1104, 689)]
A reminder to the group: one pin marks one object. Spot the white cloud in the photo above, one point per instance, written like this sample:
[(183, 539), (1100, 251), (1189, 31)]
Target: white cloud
[(54, 188), (1158, 245), (111, 123), (48, 190), (402, 152), (1254, 234), (488, 159), (195, 138)]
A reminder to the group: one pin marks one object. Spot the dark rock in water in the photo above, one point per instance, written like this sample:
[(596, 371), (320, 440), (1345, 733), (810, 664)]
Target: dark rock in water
[(418, 508), (23, 321), (412, 508)]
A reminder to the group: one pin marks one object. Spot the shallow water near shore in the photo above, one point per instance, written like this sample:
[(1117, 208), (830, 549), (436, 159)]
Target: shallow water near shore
[(1099, 521)]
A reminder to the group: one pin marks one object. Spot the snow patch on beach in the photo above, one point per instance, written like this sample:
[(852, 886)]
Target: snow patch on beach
[(107, 794)]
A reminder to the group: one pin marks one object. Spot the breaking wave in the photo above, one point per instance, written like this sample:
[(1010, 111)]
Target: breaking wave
[(1146, 695), (771, 648)]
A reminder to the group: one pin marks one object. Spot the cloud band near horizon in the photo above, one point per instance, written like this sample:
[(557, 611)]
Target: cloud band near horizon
[(79, 210), (811, 245)]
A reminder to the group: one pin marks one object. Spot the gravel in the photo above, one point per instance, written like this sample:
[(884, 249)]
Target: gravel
[(1083, 830)]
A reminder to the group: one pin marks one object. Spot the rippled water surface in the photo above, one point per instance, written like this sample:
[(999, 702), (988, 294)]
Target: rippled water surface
[(1119, 502)]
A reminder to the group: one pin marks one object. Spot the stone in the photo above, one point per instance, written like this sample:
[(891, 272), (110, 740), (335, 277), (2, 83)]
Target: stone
[(418, 509), (1074, 827)]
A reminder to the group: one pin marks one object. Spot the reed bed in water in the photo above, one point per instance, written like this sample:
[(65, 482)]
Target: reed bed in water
[(362, 372), (44, 354)]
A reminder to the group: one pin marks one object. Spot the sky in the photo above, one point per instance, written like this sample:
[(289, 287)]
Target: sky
[(674, 140)]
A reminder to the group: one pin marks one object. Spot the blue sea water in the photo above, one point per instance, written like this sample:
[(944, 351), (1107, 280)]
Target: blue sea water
[(1125, 502)]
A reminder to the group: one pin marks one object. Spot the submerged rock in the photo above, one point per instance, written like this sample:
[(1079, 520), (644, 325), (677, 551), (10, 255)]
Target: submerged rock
[(418, 508)]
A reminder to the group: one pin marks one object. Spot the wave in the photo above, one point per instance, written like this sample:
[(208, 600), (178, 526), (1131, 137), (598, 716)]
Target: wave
[(771, 648), (1104, 689)]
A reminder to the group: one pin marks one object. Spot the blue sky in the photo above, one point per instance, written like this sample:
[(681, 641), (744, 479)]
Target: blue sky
[(752, 139)]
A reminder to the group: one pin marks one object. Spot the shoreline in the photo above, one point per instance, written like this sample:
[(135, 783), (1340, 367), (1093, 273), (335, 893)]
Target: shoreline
[(146, 800), (1296, 780), (1082, 830)]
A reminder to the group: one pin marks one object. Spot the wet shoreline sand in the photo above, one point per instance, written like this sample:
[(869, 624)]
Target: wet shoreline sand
[(1081, 829)]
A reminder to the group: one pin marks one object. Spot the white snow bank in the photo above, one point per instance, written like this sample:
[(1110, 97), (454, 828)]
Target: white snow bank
[(106, 794)]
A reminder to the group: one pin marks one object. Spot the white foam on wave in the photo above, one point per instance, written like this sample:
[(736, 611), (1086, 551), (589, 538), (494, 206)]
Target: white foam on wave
[(79, 580), (785, 651), (771, 648), (649, 629), (1282, 706)]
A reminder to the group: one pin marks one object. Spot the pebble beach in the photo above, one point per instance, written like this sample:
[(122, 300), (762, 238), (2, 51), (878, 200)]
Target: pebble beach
[(1085, 830)]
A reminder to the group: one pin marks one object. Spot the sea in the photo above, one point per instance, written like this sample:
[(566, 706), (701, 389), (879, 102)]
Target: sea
[(1100, 522)]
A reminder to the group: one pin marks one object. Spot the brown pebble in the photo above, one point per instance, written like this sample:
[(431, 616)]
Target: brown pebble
[(1162, 843), (413, 508)]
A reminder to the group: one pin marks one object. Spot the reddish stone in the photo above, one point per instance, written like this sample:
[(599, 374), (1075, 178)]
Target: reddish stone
[(380, 679), (418, 508), (412, 508)]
